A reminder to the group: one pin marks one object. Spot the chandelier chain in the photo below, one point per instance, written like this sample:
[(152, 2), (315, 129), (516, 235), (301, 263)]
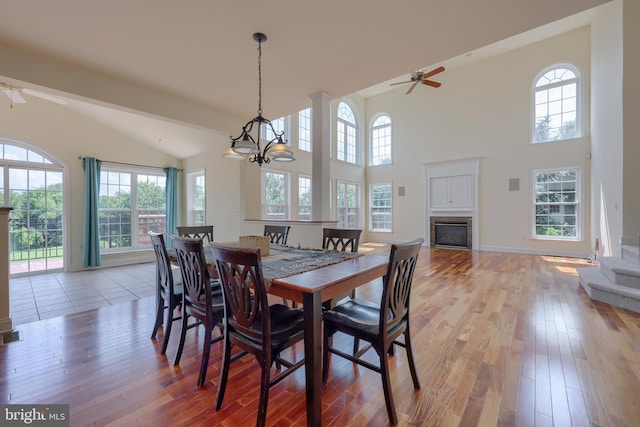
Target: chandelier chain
[(259, 77)]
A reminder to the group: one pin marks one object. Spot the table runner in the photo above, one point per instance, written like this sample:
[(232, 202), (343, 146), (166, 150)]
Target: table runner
[(285, 261)]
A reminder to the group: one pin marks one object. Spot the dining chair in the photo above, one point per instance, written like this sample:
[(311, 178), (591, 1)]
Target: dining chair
[(253, 325), (278, 234), (199, 299), (340, 239), (204, 232), (168, 293), (380, 325)]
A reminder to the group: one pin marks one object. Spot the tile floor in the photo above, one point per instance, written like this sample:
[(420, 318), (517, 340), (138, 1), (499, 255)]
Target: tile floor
[(43, 296)]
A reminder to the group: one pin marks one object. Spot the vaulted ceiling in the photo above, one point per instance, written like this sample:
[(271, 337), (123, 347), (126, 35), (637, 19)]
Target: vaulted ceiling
[(201, 52)]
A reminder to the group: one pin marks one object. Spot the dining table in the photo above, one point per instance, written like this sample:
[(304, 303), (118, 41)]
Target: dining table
[(312, 277)]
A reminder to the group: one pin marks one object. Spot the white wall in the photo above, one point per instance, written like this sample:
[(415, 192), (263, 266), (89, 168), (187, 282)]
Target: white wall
[(483, 110)]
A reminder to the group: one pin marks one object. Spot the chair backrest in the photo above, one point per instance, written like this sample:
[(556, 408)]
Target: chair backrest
[(204, 232), (245, 294), (164, 276), (340, 239), (394, 307), (278, 234), (196, 288)]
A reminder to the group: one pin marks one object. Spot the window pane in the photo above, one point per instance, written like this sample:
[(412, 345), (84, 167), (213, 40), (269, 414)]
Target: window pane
[(555, 204)]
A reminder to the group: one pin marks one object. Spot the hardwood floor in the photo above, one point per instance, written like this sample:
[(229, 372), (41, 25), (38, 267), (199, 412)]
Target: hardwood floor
[(501, 339)]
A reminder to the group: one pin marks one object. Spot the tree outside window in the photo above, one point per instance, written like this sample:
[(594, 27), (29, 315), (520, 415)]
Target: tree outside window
[(348, 204), (556, 105), (304, 198)]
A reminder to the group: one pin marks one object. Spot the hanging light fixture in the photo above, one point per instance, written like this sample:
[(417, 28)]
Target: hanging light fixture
[(248, 146)]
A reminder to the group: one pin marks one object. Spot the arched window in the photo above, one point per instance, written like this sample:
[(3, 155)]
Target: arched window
[(347, 134), (32, 184), (556, 104), (380, 148)]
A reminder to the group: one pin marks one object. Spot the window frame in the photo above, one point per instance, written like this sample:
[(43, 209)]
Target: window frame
[(562, 85), (387, 140), (300, 205), (577, 204), (356, 209), (267, 135), (286, 207), (305, 130), (134, 209), (343, 135), (372, 208), (193, 211)]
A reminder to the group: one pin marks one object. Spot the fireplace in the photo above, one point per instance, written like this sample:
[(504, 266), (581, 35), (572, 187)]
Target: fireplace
[(451, 231)]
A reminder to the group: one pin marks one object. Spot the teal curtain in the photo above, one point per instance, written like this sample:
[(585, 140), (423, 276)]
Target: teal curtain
[(172, 203), (91, 245)]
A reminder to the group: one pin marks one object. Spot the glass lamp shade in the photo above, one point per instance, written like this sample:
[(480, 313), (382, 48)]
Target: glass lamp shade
[(245, 146), (230, 154), (280, 150)]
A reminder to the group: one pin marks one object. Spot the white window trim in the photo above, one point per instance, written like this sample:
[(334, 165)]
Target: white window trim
[(370, 156), (358, 136), (310, 150), (310, 206), (358, 206), (579, 205), (287, 192), (191, 188), (579, 102), (379, 230)]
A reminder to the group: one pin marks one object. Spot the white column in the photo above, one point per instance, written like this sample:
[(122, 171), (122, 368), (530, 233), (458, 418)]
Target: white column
[(6, 325), (321, 131)]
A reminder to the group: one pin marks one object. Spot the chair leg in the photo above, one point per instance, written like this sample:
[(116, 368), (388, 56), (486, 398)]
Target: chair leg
[(224, 372), (356, 345), (412, 365), (386, 385), (159, 310), (168, 322), (183, 333), (326, 344), (264, 394), (206, 350)]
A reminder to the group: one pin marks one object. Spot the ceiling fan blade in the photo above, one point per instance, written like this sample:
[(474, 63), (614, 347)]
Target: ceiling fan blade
[(400, 83), (411, 88), (431, 83), (433, 72), (14, 95)]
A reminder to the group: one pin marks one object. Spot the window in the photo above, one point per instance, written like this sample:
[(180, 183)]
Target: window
[(32, 185), (131, 204), (304, 129), (346, 137), (380, 207), (195, 199), (348, 197), (381, 141), (304, 198), (275, 198), (280, 125), (556, 96), (556, 204)]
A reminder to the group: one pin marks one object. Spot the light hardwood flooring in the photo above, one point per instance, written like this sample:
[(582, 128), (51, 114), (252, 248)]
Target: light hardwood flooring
[(501, 339)]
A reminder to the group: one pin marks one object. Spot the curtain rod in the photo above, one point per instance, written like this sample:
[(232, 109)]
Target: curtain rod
[(130, 164)]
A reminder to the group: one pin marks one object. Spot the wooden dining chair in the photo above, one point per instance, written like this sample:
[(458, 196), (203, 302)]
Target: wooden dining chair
[(251, 324), (381, 324), (341, 239), (204, 232), (168, 293), (277, 234), (199, 299)]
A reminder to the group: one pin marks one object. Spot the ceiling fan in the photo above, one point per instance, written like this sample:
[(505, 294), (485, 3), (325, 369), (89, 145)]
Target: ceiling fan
[(422, 77), (15, 94)]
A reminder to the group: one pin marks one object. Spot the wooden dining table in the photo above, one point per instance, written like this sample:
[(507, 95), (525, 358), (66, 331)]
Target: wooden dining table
[(325, 276), (312, 288)]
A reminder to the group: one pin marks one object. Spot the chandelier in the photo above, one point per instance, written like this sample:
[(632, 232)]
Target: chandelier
[(247, 146)]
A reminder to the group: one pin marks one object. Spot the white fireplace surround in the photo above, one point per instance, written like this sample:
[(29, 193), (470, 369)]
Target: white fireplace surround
[(452, 191)]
